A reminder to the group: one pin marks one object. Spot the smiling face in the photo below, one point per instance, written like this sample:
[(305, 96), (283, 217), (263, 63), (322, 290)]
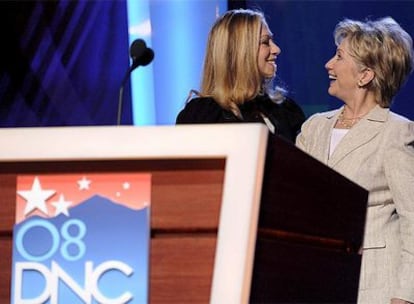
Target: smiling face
[(268, 52), (344, 73)]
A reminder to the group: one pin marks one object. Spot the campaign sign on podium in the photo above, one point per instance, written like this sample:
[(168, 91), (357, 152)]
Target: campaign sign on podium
[(81, 238)]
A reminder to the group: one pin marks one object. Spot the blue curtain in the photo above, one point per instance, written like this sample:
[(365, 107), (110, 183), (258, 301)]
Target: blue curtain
[(63, 62)]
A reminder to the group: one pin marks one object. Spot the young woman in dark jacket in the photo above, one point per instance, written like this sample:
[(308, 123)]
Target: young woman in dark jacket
[(239, 68)]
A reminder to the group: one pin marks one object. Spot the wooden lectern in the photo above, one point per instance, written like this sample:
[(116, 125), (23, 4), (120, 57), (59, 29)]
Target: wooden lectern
[(203, 177), (311, 227), (207, 185)]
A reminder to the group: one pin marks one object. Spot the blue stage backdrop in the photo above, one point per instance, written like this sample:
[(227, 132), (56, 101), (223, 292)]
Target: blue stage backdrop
[(177, 30), (62, 62)]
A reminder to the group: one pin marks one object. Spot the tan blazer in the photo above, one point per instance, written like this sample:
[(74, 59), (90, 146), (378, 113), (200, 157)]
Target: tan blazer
[(378, 154)]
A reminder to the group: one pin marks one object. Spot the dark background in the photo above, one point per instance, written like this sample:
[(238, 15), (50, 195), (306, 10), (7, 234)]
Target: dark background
[(62, 62)]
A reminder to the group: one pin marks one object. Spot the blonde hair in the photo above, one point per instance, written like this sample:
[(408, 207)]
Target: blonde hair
[(384, 47), (231, 74)]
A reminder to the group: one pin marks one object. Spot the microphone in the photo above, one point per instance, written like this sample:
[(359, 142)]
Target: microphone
[(141, 55)]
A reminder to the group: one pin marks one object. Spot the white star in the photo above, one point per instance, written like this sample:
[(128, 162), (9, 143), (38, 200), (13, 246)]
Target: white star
[(84, 183), (61, 206), (126, 186), (36, 197)]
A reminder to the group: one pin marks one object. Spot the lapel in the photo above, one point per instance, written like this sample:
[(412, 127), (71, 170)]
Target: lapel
[(325, 134), (364, 131)]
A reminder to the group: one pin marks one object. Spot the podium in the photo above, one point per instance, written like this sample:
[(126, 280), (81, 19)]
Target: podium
[(310, 232), (206, 183), (225, 227)]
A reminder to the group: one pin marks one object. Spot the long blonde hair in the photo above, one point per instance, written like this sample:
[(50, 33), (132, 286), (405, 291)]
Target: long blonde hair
[(231, 75)]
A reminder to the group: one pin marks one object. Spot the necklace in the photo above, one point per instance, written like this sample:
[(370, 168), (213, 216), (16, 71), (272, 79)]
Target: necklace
[(347, 123)]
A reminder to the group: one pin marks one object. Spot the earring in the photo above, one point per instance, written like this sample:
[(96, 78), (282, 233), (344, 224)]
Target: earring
[(360, 84)]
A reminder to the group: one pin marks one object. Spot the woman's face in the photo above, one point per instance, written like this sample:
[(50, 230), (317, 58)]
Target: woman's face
[(344, 73), (268, 52)]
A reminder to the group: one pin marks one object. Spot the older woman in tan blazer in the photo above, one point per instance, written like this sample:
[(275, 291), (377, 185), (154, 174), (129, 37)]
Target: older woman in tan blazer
[(374, 147)]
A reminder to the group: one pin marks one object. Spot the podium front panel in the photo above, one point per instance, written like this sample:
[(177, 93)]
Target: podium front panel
[(311, 227)]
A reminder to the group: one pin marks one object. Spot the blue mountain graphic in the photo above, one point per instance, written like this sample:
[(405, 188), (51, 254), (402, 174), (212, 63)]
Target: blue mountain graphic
[(96, 230)]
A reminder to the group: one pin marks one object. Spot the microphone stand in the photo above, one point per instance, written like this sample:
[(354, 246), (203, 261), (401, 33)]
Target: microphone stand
[(141, 55), (121, 93)]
